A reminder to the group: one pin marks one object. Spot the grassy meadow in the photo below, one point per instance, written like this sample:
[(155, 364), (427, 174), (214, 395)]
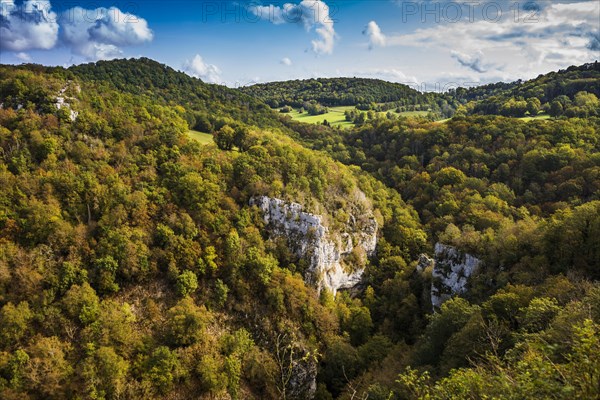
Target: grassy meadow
[(202, 138), (335, 117)]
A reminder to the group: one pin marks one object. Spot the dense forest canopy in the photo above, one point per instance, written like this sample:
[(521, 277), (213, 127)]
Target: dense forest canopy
[(546, 87), (133, 265), (163, 84), (333, 92), (556, 93), (566, 92)]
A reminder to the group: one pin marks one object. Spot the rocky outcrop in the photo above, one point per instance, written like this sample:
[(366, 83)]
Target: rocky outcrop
[(63, 102), (303, 381), (424, 262), (332, 256), (451, 273)]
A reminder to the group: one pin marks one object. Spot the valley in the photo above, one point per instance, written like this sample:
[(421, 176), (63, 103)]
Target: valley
[(167, 238)]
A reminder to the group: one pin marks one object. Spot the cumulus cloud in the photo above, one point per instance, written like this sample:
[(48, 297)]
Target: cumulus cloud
[(311, 14), (30, 25), (101, 33), (474, 63), (376, 37), (565, 33), (23, 57), (275, 14), (94, 34), (199, 69), (286, 61)]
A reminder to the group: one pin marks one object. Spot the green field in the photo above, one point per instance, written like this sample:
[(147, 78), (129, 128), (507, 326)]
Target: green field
[(202, 138), (335, 117), (414, 113), (540, 117)]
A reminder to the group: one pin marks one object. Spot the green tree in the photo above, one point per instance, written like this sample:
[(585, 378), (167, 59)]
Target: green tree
[(14, 321), (81, 302), (162, 369), (105, 373), (186, 322), (187, 283), (451, 318), (48, 369), (341, 363), (225, 137), (533, 106), (359, 325), (583, 369), (538, 314), (212, 375)]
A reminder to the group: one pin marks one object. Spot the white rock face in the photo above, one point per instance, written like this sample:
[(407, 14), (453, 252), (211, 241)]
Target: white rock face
[(451, 273), (62, 103), (327, 252)]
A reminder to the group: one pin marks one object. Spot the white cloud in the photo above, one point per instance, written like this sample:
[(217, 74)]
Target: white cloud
[(199, 69), (23, 57), (93, 34), (474, 62), (564, 34), (312, 14), (275, 14), (31, 25), (376, 37), (101, 33), (388, 74), (286, 61)]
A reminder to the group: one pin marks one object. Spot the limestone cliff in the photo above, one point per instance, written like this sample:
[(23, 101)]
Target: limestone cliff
[(451, 271), (331, 255), (65, 102)]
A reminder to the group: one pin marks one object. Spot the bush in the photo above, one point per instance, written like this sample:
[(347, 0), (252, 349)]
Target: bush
[(187, 283)]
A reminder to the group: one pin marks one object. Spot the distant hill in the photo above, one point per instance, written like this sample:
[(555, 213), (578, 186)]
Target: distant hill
[(489, 99), (334, 92), (561, 86), (170, 87), (546, 86)]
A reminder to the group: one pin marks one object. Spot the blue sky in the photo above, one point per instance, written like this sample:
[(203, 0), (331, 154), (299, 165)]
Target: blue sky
[(429, 44)]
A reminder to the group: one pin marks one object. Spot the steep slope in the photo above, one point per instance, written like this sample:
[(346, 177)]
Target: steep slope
[(164, 85), (337, 260), (136, 263), (514, 207), (132, 263)]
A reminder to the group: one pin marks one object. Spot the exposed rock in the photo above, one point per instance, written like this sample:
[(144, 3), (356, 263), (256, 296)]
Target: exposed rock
[(425, 262), (451, 273), (303, 382), (62, 103), (327, 252)]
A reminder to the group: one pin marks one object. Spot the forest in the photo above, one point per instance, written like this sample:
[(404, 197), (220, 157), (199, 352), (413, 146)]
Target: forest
[(565, 92), (133, 263)]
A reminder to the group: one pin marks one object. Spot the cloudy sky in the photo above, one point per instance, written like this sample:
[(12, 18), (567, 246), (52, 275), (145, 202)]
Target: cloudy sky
[(430, 44)]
